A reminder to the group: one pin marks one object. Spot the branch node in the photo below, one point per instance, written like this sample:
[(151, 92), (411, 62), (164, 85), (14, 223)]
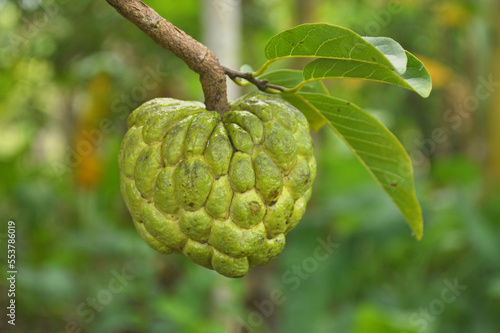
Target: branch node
[(262, 85)]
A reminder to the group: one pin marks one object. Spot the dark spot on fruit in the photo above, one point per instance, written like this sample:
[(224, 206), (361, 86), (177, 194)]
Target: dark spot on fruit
[(191, 204), (394, 184), (254, 208), (348, 103), (338, 110), (373, 58), (301, 42)]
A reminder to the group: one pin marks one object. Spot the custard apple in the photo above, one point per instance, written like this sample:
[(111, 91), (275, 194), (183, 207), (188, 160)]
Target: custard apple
[(223, 191)]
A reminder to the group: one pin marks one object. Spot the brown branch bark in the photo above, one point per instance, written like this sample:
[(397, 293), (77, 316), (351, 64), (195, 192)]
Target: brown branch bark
[(196, 55)]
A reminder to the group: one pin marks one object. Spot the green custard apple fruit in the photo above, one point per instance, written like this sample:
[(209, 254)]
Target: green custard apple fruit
[(223, 191)]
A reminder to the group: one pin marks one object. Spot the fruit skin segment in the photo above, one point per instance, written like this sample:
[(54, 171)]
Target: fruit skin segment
[(223, 191)]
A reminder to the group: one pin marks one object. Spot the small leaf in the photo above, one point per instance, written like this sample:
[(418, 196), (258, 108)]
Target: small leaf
[(246, 68), (290, 78), (415, 78), (324, 41), (376, 147)]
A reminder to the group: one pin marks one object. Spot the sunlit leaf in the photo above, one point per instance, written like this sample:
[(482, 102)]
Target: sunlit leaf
[(329, 41), (392, 50), (415, 77)]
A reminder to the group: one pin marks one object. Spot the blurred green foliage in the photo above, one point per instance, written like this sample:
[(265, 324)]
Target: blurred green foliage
[(70, 72)]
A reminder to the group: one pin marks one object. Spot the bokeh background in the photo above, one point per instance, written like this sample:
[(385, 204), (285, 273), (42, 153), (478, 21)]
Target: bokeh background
[(71, 72)]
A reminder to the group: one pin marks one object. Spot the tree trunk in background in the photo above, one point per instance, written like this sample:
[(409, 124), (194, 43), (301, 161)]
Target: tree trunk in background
[(221, 33), (221, 24), (306, 11), (493, 160)]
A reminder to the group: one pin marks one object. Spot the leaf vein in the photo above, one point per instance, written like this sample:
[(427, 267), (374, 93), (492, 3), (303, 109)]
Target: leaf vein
[(353, 138), (327, 41), (360, 151), (387, 172)]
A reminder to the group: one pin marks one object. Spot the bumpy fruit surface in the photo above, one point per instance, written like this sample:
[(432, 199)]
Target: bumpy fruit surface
[(223, 192)]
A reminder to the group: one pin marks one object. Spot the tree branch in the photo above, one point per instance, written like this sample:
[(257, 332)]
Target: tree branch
[(263, 85), (196, 55)]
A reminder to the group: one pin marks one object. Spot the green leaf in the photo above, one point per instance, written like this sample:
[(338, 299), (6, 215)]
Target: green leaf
[(415, 77), (246, 68), (287, 78), (392, 50), (315, 120), (377, 149), (290, 78), (327, 41)]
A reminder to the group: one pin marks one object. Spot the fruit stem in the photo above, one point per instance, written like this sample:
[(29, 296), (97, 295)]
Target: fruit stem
[(196, 55)]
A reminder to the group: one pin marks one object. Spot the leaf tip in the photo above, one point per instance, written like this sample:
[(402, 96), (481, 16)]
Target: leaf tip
[(418, 233), (427, 91)]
